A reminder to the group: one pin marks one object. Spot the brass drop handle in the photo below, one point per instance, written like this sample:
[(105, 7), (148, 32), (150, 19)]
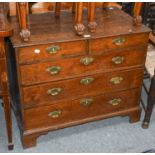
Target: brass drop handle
[(86, 60), (87, 80), (53, 70), (119, 41), (54, 91), (54, 114), (52, 49), (118, 60), (86, 102), (116, 80), (115, 101)]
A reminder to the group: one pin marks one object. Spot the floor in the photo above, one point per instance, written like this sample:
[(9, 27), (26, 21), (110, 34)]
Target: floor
[(107, 136)]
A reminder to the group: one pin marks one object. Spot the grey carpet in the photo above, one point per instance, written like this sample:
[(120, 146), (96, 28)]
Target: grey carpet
[(107, 136)]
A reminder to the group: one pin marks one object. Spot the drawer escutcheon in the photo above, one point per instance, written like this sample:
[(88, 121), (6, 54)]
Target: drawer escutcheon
[(86, 60), (87, 80), (118, 60), (54, 91), (115, 101), (119, 41), (55, 114), (53, 70), (52, 49), (86, 102), (116, 80)]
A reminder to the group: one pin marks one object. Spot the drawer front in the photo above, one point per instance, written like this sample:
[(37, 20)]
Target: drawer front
[(49, 51), (88, 85), (71, 67), (102, 44), (80, 109)]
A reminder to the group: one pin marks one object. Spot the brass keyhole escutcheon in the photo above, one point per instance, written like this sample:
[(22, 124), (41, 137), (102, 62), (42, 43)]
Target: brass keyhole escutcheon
[(87, 80), (52, 49), (54, 91), (116, 80), (115, 102), (55, 114), (119, 41), (53, 70), (86, 61), (118, 60), (86, 102)]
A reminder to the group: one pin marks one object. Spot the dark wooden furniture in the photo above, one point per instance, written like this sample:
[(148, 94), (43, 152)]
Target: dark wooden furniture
[(65, 80), (5, 31)]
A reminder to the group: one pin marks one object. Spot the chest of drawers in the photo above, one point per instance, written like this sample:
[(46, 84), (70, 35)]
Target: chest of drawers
[(64, 80)]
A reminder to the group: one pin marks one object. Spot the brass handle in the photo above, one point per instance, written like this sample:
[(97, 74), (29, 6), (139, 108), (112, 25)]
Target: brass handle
[(54, 91), (116, 80), (119, 41), (55, 114), (87, 80), (86, 102), (118, 60), (86, 60), (53, 70), (52, 49), (115, 101)]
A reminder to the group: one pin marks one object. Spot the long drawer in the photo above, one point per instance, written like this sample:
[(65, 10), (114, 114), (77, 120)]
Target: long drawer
[(63, 113), (88, 85), (71, 67)]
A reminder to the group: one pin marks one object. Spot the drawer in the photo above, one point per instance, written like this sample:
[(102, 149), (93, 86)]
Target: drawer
[(71, 67), (83, 109), (46, 52), (81, 86), (100, 45)]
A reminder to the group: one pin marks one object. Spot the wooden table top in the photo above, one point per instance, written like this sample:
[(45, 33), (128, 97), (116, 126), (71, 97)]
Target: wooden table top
[(45, 28)]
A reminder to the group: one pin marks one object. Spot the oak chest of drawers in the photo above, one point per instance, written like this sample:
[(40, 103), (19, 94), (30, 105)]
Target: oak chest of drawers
[(64, 80)]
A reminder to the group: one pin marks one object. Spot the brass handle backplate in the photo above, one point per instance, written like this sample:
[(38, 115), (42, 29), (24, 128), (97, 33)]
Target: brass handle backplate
[(54, 91), (118, 60), (55, 114), (119, 41), (115, 101), (116, 80), (52, 49), (86, 60), (86, 102), (53, 70), (87, 80)]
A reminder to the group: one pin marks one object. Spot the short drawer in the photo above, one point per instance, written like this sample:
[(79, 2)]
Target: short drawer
[(100, 45), (76, 111), (77, 87), (45, 52), (71, 67)]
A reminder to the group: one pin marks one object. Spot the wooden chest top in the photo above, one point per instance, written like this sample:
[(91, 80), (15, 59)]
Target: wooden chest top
[(45, 28)]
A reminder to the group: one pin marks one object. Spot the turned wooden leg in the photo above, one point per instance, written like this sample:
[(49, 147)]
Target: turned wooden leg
[(137, 19), (135, 116), (150, 104), (79, 27), (7, 111), (91, 13), (22, 15), (57, 9), (73, 7)]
